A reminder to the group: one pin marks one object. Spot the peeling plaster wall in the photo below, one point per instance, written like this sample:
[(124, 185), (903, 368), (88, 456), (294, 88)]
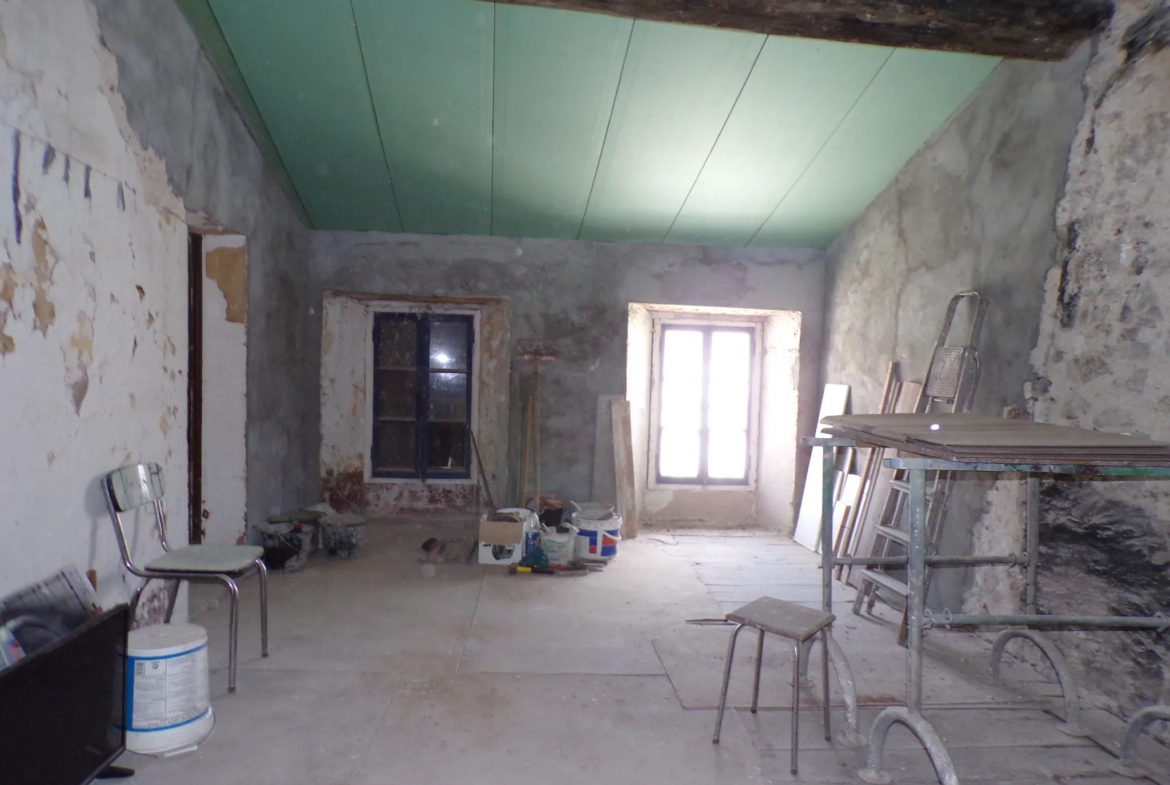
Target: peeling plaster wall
[(177, 105), (972, 210), (576, 295), (115, 130), (1102, 361), (92, 318)]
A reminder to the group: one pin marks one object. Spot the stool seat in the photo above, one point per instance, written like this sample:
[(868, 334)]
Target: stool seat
[(786, 619)]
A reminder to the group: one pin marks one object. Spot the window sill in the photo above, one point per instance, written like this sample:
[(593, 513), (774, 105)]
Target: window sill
[(671, 486), (414, 481)]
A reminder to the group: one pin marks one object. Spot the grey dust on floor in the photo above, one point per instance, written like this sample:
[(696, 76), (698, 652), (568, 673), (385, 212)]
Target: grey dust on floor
[(385, 670)]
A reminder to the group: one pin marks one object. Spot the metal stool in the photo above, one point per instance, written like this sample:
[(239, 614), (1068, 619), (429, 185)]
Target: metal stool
[(788, 620)]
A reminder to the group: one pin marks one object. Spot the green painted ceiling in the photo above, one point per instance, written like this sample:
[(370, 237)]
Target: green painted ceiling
[(464, 117)]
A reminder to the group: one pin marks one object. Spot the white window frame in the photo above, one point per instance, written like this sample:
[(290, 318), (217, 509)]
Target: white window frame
[(408, 306), (665, 319)]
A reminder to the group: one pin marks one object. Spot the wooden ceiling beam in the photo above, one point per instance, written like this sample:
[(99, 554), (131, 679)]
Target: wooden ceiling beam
[(1020, 29)]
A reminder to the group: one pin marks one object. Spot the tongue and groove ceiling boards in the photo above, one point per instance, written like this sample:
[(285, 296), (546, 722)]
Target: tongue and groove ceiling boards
[(466, 117)]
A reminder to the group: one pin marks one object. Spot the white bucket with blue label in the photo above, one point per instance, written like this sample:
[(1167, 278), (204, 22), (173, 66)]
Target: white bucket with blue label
[(168, 701), (599, 531)]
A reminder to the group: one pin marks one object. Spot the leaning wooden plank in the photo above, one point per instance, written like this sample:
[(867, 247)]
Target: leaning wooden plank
[(808, 521), (623, 458)]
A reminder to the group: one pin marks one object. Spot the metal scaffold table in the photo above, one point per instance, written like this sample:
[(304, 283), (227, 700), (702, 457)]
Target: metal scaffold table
[(917, 560)]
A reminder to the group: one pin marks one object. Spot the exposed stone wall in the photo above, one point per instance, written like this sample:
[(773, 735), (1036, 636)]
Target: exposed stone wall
[(1102, 360), (1049, 192), (971, 210)]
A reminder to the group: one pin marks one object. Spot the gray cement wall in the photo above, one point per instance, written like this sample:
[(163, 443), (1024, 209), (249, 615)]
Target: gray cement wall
[(576, 295), (177, 105), (971, 210)]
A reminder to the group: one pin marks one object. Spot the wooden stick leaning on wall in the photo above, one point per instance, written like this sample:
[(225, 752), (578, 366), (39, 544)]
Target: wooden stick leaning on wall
[(623, 453), (527, 441), (868, 478)]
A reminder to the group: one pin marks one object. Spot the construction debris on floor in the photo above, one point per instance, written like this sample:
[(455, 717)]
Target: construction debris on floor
[(564, 539)]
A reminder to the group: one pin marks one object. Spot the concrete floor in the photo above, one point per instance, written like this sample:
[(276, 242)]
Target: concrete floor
[(384, 672)]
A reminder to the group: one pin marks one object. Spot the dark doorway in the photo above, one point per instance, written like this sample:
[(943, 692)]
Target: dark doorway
[(195, 387)]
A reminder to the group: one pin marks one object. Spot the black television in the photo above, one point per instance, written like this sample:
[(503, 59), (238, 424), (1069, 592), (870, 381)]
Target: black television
[(62, 709)]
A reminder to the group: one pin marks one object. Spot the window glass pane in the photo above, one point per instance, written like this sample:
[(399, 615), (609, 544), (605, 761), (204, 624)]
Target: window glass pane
[(448, 397), (682, 379), (447, 446), (731, 376), (397, 392), (449, 344), (394, 446), (396, 343), (678, 453), (727, 455)]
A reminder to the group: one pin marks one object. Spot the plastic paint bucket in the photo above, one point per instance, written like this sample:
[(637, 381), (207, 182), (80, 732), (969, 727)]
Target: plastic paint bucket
[(168, 704), (599, 533), (559, 548)]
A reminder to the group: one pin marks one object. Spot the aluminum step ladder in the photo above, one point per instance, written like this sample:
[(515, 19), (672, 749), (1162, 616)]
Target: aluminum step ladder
[(949, 386)]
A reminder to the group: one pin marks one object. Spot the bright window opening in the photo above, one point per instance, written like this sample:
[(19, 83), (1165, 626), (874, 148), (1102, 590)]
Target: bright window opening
[(705, 404)]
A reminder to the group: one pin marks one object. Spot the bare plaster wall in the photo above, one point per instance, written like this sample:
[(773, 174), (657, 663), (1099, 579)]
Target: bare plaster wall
[(972, 210), (178, 107), (115, 129), (576, 296)]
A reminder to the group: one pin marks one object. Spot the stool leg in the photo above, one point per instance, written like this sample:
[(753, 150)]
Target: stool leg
[(825, 678), (759, 663), (726, 681), (795, 702)]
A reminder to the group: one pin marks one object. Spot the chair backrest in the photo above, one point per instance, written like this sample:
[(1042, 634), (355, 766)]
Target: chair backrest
[(128, 488)]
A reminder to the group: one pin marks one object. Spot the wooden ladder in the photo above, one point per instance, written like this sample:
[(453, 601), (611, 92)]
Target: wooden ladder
[(949, 386)]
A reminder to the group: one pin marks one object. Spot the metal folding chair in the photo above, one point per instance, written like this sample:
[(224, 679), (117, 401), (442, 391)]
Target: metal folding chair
[(134, 486)]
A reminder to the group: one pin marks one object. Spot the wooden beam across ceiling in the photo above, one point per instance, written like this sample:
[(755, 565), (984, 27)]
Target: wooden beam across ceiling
[(1019, 29)]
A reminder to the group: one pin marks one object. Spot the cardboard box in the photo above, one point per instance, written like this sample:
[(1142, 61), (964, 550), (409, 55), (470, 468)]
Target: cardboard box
[(502, 542)]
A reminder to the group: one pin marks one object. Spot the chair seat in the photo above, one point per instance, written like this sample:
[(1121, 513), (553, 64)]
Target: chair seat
[(207, 558), (786, 619)]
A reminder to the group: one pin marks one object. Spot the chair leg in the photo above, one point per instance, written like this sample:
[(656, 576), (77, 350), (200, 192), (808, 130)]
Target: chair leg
[(726, 681), (795, 702), (825, 679), (759, 664), (233, 631), (263, 607)]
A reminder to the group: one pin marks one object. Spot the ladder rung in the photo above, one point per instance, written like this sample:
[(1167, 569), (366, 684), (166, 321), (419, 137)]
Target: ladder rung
[(897, 535), (885, 581), (902, 486)]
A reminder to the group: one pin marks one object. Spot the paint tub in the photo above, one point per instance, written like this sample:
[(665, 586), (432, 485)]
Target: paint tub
[(558, 547), (168, 704), (600, 529)]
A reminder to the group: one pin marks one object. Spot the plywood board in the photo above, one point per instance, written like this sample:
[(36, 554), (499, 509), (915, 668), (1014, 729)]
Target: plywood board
[(808, 522), (846, 500), (604, 478), (623, 452)]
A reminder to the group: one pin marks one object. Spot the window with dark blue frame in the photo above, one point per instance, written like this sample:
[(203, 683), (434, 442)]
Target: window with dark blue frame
[(422, 396)]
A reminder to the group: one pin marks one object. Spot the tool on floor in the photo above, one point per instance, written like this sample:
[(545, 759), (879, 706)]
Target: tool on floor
[(949, 386), (537, 353)]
